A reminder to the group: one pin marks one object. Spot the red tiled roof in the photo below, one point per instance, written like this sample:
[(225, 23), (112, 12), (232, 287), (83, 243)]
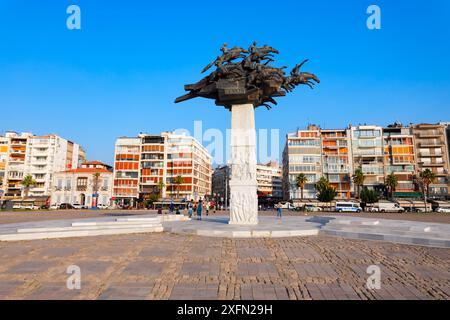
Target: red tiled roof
[(95, 163), (88, 170)]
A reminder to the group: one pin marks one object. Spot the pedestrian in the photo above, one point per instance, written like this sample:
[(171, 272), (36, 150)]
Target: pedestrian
[(190, 209), (199, 210), (279, 210), (171, 207), (207, 208)]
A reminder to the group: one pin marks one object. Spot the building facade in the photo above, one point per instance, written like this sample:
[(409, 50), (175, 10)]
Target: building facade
[(150, 164), (432, 153), (368, 155), (337, 164), (39, 156), (399, 157), (89, 185), (269, 179), (221, 184), (302, 154)]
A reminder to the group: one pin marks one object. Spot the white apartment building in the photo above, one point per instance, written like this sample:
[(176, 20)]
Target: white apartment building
[(89, 185), (39, 156), (142, 162), (269, 178), (367, 150), (47, 155), (302, 154)]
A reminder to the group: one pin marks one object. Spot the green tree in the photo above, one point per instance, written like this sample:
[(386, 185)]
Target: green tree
[(326, 193), (96, 186), (27, 183), (300, 182), (178, 181), (425, 178), (161, 186), (391, 183), (322, 184), (369, 195), (358, 180)]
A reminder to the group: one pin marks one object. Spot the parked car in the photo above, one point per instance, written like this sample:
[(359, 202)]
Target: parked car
[(65, 206), (442, 210), (311, 208), (289, 206), (388, 207), (103, 206), (79, 206), (44, 207), (54, 206), (347, 207)]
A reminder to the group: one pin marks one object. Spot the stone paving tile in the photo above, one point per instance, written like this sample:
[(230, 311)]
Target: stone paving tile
[(259, 269), (59, 291), (200, 269), (170, 266), (7, 287), (33, 267), (144, 268), (195, 292), (127, 291)]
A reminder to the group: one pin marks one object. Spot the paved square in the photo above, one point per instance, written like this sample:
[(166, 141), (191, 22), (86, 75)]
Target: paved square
[(173, 266)]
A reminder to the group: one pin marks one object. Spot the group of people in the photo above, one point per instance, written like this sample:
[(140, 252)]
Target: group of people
[(197, 207)]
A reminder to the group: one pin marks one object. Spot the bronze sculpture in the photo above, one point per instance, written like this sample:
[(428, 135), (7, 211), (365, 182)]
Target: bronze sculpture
[(250, 80)]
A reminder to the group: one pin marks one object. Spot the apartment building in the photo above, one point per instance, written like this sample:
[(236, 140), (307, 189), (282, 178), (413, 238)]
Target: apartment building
[(337, 164), (142, 162), (269, 179), (399, 157), (89, 185), (432, 153), (47, 155), (4, 152), (127, 156), (302, 154), (367, 151), (220, 184), (39, 156)]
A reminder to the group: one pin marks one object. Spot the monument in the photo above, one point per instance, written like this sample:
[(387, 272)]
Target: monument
[(242, 81)]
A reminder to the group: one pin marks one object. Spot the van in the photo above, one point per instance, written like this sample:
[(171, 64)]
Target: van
[(347, 207), (389, 207)]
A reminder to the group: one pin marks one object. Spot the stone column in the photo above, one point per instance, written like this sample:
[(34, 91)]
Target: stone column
[(243, 184)]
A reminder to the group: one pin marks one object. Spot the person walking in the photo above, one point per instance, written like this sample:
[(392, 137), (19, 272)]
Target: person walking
[(199, 210), (171, 207), (190, 209), (279, 210)]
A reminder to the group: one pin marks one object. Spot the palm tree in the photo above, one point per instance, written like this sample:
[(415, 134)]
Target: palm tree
[(95, 186), (426, 177), (177, 181), (358, 179), (27, 183), (391, 183), (161, 186), (300, 182)]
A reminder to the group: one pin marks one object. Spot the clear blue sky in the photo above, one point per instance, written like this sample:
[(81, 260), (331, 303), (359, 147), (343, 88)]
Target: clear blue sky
[(120, 73)]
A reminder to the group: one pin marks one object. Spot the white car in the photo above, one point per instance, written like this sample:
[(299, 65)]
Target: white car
[(79, 206), (442, 210), (103, 206), (54, 206)]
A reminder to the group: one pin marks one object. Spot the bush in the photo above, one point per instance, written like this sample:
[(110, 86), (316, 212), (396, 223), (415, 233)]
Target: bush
[(369, 196)]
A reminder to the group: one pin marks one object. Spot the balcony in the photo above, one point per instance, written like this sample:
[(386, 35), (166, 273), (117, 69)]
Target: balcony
[(431, 143), (430, 133), (432, 164), (81, 188)]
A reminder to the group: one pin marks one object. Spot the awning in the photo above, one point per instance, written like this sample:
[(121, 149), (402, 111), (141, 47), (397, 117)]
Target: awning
[(412, 195)]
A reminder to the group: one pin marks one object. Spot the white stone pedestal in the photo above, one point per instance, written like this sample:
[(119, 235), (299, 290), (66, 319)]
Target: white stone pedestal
[(243, 184)]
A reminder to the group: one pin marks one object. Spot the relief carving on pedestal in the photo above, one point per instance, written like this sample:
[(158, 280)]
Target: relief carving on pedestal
[(241, 205)]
